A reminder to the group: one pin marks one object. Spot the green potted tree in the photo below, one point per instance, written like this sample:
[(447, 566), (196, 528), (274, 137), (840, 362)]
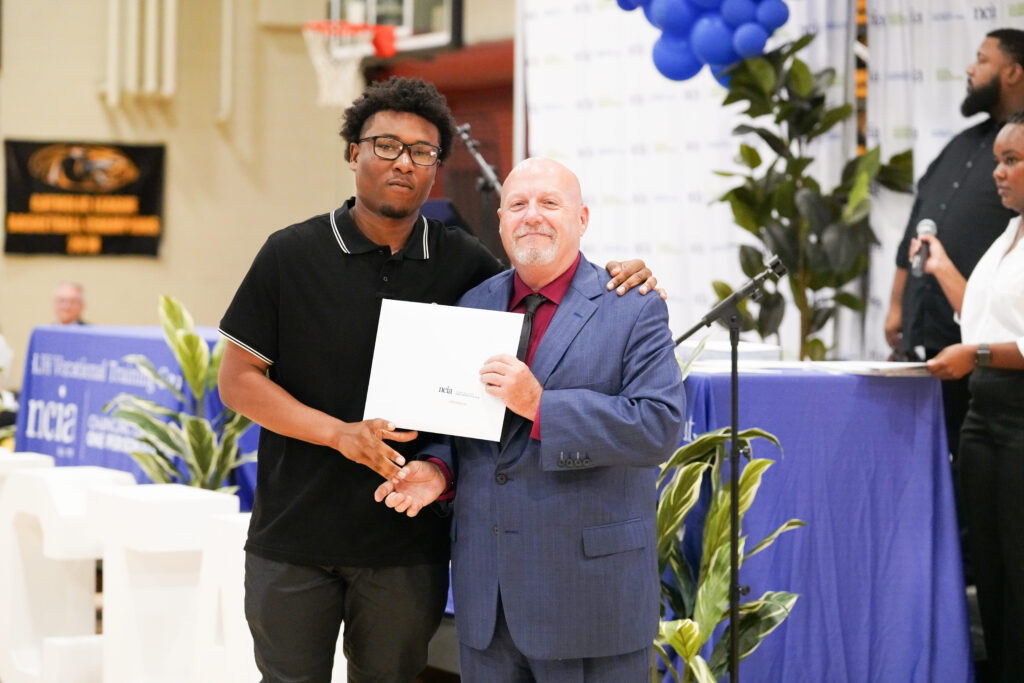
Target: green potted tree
[(823, 238), (185, 446)]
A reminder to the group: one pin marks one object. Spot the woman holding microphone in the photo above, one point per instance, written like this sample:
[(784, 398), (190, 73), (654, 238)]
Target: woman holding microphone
[(991, 309)]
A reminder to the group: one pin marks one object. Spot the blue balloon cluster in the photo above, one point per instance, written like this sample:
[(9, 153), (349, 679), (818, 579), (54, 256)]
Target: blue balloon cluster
[(713, 32)]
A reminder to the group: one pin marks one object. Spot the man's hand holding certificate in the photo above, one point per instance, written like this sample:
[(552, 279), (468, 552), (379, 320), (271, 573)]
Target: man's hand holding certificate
[(432, 381)]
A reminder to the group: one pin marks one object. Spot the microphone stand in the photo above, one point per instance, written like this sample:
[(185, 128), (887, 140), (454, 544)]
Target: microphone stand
[(488, 179), (728, 309)]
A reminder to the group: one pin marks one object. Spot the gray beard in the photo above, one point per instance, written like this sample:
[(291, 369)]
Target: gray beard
[(535, 257)]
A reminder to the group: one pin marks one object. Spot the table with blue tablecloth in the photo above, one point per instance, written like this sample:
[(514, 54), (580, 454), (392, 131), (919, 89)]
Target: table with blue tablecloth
[(878, 566), (72, 371), (864, 465)]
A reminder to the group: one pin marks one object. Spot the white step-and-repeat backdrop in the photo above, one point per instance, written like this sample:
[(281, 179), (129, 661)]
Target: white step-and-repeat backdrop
[(646, 148)]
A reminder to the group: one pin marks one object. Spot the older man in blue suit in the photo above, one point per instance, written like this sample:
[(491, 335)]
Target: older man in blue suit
[(554, 567)]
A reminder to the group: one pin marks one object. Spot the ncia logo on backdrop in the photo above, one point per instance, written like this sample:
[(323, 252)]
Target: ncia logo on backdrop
[(82, 168)]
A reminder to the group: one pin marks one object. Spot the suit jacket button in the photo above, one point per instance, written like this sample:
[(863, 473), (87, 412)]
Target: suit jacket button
[(586, 461), (495, 530), (501, 477)]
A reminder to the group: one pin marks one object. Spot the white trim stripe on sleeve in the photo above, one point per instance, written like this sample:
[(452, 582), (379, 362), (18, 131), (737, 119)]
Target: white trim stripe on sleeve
[(245, 346)]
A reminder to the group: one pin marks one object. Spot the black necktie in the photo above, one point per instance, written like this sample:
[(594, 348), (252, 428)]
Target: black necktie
[(533, 302)]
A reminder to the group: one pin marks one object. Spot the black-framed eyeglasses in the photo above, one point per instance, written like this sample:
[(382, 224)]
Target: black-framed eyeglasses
[(390, 148)]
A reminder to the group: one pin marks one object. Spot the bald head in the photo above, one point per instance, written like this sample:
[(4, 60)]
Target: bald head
[(542, 218), (68, 302)]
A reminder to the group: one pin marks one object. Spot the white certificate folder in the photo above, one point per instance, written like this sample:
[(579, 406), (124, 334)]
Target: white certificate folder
[(426, 367)]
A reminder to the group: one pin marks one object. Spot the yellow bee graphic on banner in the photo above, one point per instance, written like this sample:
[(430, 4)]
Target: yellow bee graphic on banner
[(82, 168)]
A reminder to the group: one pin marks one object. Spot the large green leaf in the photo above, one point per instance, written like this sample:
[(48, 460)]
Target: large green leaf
[(225, 455), (145, 405), (898, 174), (666, 658), (716, 528), (751, 260), (743, 212), (770, 314), (783, 199), (786, 50), (815, 209), (849, 300), (858, 204), (163, 433), (701, 448), (174, 316), (251, 456), (195, 363), (700, 670), (684, 366), (750, 482), (201, 445), (829, 119), (713, 592), (147, 368), (770, 538), (757, 619), (782, 243), (681, 596), (216, 356), (821, 313), (762, 73), (236, 425), (841, 247), (815, 349), (152, 467), (801, 83), (676, 500), (771, 138), (683, 635), (749, 156)]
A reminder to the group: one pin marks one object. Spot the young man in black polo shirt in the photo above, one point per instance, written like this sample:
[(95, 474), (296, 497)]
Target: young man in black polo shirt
[(303, 324)]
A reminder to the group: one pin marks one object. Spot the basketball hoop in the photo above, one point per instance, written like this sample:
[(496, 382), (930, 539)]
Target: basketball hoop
[(337, 49)]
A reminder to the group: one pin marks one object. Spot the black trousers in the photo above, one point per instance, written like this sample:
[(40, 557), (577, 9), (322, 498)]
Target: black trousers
[(295, 613), (955, 397), (992, 475)]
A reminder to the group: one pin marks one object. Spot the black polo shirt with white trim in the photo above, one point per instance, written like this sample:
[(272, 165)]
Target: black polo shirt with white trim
[(309, 307)]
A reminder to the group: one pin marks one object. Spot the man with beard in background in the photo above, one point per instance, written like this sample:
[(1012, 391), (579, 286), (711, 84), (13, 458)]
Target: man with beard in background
[(957, 193)]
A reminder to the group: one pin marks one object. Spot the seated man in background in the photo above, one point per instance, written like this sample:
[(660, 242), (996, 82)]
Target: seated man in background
[(554, 568), (68, 303)]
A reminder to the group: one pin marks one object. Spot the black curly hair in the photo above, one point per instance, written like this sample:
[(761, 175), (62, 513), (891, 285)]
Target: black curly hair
[(412, 95)]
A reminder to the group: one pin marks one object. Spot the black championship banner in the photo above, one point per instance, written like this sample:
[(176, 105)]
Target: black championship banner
[(83, 198)]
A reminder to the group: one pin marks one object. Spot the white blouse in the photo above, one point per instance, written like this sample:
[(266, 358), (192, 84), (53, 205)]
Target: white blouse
[(993, 306)]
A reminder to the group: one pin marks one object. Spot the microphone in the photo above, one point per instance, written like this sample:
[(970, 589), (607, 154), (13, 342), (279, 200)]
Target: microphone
[(924, 227)]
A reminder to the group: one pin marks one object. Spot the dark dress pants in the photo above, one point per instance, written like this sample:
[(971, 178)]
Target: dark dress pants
[(992, 472), (295, 613), (502, 662)]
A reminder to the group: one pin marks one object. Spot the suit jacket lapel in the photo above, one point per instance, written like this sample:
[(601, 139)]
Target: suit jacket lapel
[(572, 314)]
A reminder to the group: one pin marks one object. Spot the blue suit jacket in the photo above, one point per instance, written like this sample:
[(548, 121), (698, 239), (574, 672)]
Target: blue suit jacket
[(564, 526)]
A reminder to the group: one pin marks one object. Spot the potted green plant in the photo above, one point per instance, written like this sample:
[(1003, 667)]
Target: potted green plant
[(185, 446), (823, 238), (699, 596)]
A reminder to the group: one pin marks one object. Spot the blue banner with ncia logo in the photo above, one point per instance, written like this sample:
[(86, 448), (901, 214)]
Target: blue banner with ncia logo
[(83, 198), (73, 371)]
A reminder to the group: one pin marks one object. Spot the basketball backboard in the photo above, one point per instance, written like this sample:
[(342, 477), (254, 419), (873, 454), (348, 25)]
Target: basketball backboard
[(419, 24)]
